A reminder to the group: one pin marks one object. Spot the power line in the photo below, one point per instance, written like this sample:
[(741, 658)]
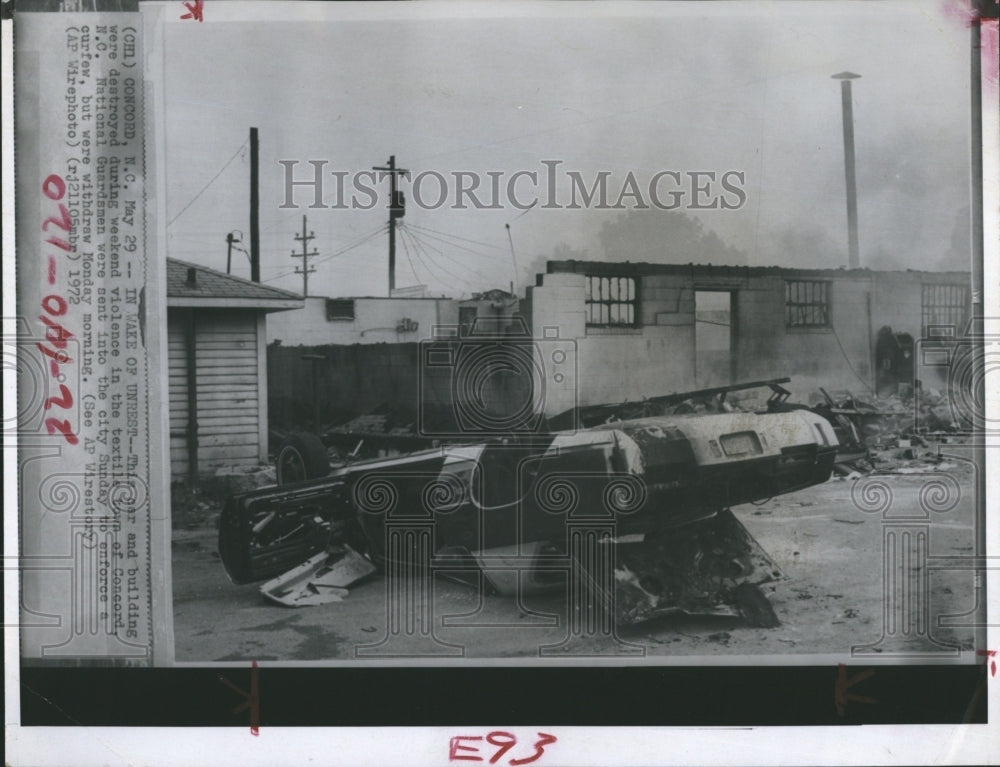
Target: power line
[(406, 250), (340, 252), (457, 246), (305, 255), (416, 252), (464, 280), (440, 252), (195, 198), (457, 237), (419, 248), (332, 255), (525, 212), (485, 278), (513, 256), (397, 209), (361, 241), (321, 260), (445, 239)]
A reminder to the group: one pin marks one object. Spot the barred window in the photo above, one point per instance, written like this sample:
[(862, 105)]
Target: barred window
[(339, 309), (612, 301), (807, 304), (945, 305)]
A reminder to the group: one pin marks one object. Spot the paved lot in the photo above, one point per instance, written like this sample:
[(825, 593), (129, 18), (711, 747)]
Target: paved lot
[(833, 598)]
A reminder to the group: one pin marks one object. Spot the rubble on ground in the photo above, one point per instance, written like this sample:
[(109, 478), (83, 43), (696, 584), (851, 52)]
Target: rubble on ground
[(319, 580), (897, 434), (379, 433), (231, 480)]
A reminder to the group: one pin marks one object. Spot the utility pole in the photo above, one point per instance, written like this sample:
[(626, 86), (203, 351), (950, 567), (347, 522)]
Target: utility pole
[(233, 242), (229, 252), (397, 209), (305, 255), (254, 208), (854, 257)]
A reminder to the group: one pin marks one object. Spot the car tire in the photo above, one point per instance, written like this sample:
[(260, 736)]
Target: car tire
[(300, 458)]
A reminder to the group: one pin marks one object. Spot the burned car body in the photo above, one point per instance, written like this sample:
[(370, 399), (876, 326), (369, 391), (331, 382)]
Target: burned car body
[(650, 495)]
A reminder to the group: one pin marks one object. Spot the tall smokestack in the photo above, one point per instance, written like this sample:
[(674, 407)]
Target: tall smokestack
[(854, 257)]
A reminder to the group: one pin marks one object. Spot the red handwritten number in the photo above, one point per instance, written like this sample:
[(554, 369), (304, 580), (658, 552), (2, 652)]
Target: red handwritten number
[(54, 187), (53, 425), (544, 739), (60, 243), (64, 222), (196, 10), (55, 305), (60, 356), (64, 400), (55, 333), (505, 740)]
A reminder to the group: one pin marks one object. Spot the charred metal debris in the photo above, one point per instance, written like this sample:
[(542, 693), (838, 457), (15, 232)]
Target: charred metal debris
[(630, 500)]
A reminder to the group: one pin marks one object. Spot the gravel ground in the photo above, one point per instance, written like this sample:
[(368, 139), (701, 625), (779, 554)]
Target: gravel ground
[(831, 601)]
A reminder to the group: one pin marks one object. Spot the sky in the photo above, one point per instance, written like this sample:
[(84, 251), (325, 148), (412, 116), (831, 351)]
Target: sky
[(736, 87)]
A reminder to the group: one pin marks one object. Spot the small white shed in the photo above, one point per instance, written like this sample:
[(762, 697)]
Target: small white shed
[(217, 367)]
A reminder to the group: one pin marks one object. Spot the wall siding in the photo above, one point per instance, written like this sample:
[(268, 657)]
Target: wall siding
[(229, 428)]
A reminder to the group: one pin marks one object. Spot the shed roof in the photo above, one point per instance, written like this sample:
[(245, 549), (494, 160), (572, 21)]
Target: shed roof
[(194, 285)]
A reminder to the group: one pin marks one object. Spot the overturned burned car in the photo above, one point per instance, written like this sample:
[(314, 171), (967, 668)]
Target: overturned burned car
[(635, 508)]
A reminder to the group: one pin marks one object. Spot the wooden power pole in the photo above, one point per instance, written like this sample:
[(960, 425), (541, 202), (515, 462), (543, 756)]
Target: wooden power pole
[(254, 208), (397, 209), (305, 255)]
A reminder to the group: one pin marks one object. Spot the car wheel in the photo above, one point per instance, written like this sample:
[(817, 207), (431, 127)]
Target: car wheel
[(301, 457)]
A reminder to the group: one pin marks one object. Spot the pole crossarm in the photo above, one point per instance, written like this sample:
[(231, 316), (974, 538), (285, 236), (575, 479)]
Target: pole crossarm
[(305, 270), (397, 209)]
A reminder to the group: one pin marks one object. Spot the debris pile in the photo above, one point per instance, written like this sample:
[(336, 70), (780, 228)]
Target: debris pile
[(232, 479), (895, 434), (320, 579), (678, 548), (382, 420), (381, 432)]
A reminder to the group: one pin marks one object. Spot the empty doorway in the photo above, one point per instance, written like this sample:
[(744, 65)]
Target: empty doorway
[(714, 337)]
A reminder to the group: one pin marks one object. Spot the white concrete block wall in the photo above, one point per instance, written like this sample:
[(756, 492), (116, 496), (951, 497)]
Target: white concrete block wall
[(615, 364), (375, 321)]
